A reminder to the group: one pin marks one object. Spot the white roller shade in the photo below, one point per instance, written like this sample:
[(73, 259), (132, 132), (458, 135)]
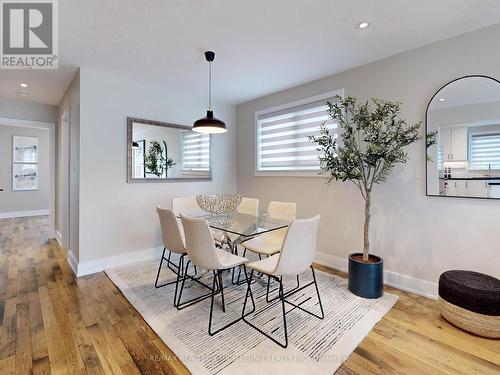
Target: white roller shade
[(196, 151), (485, 151), (283, 137)]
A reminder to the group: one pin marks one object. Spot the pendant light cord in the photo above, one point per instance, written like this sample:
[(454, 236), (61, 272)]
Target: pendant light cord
[(209, 85)]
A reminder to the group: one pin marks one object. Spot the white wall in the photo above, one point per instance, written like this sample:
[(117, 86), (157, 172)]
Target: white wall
[(68, 128), (22, 113), (418, 237), (117, 218), (20, 201), (25, 110)]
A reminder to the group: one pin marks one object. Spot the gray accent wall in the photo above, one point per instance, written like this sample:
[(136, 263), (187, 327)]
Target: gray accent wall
[(418, 236)]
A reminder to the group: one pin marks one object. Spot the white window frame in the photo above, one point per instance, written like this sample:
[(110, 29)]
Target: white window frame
[(469, 147), (290, 173)]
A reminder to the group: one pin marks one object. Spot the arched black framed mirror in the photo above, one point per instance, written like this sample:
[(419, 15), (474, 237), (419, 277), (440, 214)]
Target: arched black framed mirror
[(463, 139)]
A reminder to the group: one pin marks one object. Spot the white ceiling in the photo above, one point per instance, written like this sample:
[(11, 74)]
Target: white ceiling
[(262, 46), (472, 90)]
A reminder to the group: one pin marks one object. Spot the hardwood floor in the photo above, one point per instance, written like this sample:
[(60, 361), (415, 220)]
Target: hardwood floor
[(55, 323)]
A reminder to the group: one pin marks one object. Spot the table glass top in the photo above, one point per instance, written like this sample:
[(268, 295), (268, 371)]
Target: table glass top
[(242, 224)]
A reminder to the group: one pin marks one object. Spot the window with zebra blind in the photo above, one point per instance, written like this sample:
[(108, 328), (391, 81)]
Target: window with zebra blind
[(283, 144), (195, 151), (485, 151)]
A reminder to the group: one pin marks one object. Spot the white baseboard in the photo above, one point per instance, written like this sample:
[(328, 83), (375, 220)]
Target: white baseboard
[(59, 238), (340, 264), (72, 262), (99, 265), (396, 280), (13, 214)]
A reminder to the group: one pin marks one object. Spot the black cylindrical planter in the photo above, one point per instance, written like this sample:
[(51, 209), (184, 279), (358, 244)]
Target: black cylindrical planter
[(366, 279)]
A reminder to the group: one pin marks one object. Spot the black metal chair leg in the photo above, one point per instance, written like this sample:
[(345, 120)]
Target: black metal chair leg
[(249, 284), (317, 292), (179, 268), (267, 292), (210, 332), (171, 266), (282, 296), (249, 290), (295, 306), (221, 286), (211, 306), (182, 285), (181, 265), (159, 268), (238, 282), (191, 302), (288, 291), (233, 250), (244, 315)]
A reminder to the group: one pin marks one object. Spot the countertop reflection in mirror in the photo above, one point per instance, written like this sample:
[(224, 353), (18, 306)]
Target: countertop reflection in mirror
[(463, 139), (163, 152)]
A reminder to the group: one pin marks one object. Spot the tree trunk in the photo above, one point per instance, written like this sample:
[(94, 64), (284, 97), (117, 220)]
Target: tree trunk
[(366, 245)]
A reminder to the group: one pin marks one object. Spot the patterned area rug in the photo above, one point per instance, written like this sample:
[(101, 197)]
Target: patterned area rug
[(315, 346)]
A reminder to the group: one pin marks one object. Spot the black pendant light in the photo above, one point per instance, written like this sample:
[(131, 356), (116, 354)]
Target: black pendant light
[(209, 124)]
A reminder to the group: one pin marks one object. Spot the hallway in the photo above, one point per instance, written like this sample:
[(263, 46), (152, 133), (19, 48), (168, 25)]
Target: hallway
[(53, 323)]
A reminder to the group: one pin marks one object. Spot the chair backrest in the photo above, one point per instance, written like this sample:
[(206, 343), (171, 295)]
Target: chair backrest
[(170, 231), (249, 206), (299, 247), (200, 245), (282, 210), (185, 205)]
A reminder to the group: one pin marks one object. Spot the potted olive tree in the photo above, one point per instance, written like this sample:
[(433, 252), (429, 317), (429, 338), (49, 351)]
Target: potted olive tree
[(370, 143)]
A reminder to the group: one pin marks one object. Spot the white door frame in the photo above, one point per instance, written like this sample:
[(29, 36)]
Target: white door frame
[(52, 145)]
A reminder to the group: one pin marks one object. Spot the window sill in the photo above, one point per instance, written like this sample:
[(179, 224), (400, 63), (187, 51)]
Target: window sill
[(310, 174)]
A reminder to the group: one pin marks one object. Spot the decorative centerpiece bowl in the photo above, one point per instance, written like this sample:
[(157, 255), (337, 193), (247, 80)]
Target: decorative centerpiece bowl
[(221, 203)]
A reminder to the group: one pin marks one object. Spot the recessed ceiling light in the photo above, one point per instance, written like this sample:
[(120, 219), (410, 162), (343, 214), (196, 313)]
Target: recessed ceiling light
[(23, 93), (363, 25), (23, 84), (442, 99)]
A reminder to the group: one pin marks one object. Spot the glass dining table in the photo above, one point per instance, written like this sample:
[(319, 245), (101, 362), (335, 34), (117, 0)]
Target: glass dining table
[(237, 227)]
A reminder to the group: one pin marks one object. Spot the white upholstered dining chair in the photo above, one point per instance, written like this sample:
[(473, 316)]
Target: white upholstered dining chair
[(296, 257), (271, 243), (173, 242), (189, 206), (203, 253), (248, 206), (185, 205)]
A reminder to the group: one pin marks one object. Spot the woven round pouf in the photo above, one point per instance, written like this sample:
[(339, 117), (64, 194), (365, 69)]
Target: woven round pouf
[(471, 301)]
